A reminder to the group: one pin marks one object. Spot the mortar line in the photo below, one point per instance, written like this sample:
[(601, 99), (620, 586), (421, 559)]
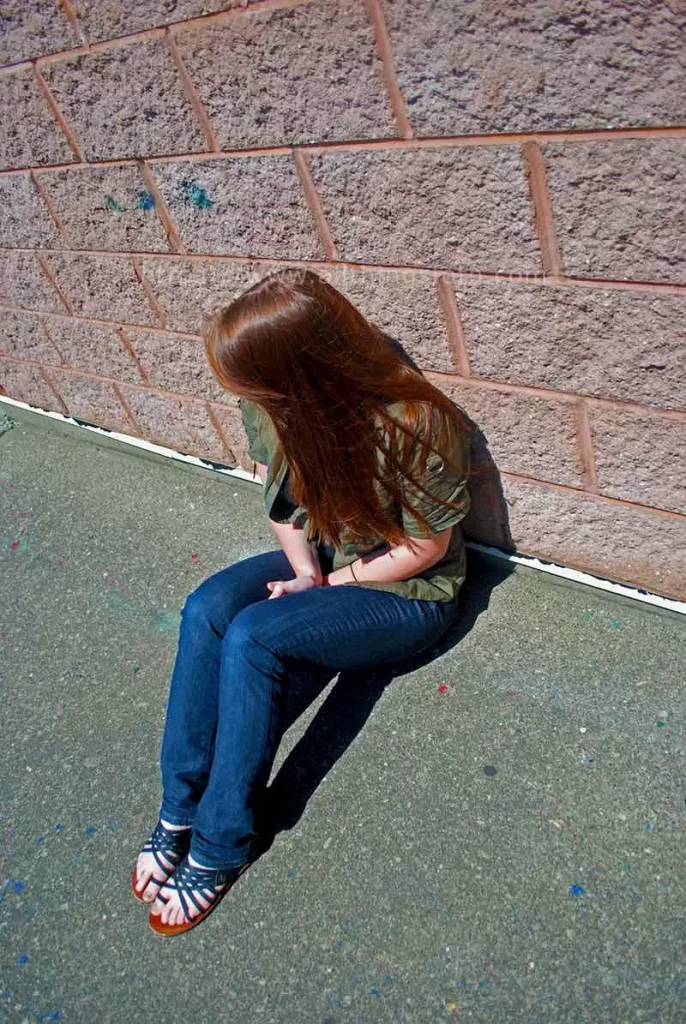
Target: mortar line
[(132, 354), (214, 420), (70, 14), (385, 51), (564, 281), (161, 209), (362, 145), (51, 211), (456, 339), (51, 386), (483, 383), (57, 114), (302, 169), (585, 450), (53, 281), (104, 379), (51, 340), (127, 410), (535, 168), (152, 297), (607, 499), (191, 93)]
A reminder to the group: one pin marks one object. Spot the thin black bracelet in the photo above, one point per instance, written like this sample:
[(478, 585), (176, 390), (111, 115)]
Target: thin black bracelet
[(353, 572)]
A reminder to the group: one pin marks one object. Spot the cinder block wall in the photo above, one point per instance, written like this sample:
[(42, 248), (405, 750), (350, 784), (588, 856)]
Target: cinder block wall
[(500, 186)]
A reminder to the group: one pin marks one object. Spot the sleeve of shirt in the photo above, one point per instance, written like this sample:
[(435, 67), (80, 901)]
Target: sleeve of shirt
[(257, 449), (441, 481)]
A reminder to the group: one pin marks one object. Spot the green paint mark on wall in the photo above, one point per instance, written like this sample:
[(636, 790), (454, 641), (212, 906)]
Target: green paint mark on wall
[(112, 204), (192, 192)]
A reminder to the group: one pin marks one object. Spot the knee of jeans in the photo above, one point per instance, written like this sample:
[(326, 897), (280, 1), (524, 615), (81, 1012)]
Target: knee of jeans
[(244, 635), (198, 607)]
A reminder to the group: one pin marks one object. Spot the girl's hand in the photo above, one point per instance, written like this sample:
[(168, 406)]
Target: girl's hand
[(280, 587)]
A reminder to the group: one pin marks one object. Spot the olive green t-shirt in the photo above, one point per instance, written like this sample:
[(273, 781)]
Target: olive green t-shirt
[(440, 582)]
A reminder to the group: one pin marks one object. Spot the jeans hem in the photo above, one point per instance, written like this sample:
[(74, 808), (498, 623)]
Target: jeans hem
[(176, 817)]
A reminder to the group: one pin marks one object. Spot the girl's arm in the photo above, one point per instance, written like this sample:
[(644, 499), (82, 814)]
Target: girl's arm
[(397, 563), (299, 552)]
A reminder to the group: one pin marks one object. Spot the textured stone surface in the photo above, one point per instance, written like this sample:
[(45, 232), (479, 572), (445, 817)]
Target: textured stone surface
[(624, 543), (314, 75), (188, 290), (404, 305), (523, 434), (247, 206), (176, 423), (30, 28), (24, 218), (106, 208), (23, 283), (25, 335), (175, 364), (92, 400), (102, 287), (127, 101), (28, 134), (586, 340), (640, 457), (106, 19), (464, 209), (26, 383), (94, 348), (620, 207), (468, 68)]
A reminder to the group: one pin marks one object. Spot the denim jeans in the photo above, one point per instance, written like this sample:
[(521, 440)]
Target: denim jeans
[(236, 653)]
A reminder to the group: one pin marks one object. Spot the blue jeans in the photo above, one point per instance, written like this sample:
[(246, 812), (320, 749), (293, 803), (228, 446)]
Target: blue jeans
[(228, 687)]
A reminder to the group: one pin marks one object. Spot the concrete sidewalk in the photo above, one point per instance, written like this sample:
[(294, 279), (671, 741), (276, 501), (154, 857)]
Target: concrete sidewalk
[(497, 835)]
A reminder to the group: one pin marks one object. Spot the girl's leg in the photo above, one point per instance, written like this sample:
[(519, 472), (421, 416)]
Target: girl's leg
[(333, 628), (192, 706), (193, 693)]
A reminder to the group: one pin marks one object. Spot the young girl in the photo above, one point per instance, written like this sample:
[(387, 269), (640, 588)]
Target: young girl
[(364, 465)]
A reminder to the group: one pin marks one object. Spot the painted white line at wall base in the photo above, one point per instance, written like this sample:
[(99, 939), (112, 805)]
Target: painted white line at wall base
[(563, 571)]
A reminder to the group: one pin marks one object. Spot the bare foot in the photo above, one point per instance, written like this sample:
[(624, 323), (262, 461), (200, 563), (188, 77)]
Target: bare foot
[(155, 874)]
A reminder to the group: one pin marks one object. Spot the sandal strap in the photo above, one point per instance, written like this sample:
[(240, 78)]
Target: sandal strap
[(188, 880), (172, 844)]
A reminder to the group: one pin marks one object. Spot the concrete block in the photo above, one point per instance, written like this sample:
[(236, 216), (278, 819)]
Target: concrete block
[(522, 433), (91, 347), (613, 344), (26, 383), (314, 71), (24, 335), (102, 287), (29, 134), (620, 208), (177, 423), (621, 542), (31, 28), (467, 68), (91, 400), (404, 305), (464, 209), (107, 19), (188, 290), (127, 101), (24, 218), (640, 457), (106, 208), (242, 206), (23, 283), (176, 364)]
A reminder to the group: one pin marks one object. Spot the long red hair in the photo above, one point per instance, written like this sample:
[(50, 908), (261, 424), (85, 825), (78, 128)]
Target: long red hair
[(299, 349)]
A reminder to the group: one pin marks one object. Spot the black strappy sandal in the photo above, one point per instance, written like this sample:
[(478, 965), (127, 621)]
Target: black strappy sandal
[(170, 844), (188, 880)]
